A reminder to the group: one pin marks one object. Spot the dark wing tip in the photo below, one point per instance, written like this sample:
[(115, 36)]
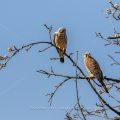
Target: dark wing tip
[(62, 60)]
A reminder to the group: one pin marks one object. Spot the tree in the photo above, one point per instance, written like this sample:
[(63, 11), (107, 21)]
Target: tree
[(79, 111)]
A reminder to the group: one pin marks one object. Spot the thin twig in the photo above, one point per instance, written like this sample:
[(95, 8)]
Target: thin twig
[(77, 91)]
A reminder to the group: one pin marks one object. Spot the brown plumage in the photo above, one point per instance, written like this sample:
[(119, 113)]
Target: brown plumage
[(94, 69), (60, 41)]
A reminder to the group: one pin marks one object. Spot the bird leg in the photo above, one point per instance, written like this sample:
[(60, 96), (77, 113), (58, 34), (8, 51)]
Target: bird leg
[(62, 50), (59, 47), (91, 77)]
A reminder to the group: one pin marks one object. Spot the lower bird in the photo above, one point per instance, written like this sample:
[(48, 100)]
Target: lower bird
[(60, 41), (94, 69)]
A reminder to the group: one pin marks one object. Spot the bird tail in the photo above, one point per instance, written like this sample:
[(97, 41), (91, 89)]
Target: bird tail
[(105, 87), (101, 80), (62, 59), (61, 55)]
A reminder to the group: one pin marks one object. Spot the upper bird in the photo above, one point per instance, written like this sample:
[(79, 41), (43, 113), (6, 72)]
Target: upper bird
[(94, 69), (60, 41)]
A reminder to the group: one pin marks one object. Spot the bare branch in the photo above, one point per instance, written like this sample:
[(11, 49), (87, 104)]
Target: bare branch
[(51, 95), (114, 61)]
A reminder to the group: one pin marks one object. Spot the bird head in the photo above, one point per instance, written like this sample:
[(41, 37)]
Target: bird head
[(62, 30), (87, 54)]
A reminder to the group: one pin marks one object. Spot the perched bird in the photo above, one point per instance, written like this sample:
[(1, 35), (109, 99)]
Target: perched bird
[(60, 41), (94, 69)]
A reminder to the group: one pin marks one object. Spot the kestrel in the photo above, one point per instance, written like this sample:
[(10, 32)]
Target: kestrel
[(60, 41), (94, 69)]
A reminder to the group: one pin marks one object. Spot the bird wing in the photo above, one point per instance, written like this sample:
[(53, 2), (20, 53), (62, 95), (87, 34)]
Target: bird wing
[(94, 68), (54, 37)]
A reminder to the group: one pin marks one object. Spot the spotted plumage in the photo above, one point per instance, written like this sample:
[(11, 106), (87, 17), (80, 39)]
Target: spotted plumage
[(94, 69)]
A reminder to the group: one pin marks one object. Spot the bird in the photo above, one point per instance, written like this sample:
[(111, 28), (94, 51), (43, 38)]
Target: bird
[(94, 69), (60, 42)]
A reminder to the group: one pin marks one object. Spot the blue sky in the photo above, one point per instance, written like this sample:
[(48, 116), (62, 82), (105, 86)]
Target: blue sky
[(21, 22)]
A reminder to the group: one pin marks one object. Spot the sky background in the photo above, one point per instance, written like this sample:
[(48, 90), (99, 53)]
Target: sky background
[(22, 90)]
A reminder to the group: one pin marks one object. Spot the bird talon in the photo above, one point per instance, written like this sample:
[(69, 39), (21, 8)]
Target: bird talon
[(90, 77), (60, 49)]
